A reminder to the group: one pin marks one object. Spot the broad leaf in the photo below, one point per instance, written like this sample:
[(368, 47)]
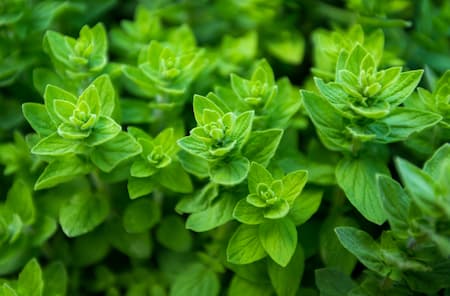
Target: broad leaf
[(110, 154), (141, 215), (279, 239), (197, 280), (286, 280), (219, 213), (83, 213), (245, 246), (262, 145), (357, 177)]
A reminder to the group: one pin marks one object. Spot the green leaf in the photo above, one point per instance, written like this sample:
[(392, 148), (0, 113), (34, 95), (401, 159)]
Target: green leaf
[(30, 281), (245, 246), (258, 174), (83, 213), (141, 215), (104, 130), (420, 185), (242, 128), (197, 280), (193, 146), (56, 145), (262, 145), (403, 122), (193, 164), (7, 290), (288, 46), (200, 104), (133, 245), (293, 184), (239, 286), (395, 203), (172, 234), (175, 178), (138, 187), (332, 282), (399, 91), (37, 117), (436, 164), (286, 280), (219, 213), (305, 206), (20, 201), (357, 177), (360, 244), (328, 121), (230, 172), (108, 155), (279, 239), (332, 253), (106, 95), (53, 93), (55, 279), (248, 214), (62, 170)]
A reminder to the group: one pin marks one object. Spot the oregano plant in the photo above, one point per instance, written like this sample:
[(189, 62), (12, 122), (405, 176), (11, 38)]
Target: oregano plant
[(212, 148)]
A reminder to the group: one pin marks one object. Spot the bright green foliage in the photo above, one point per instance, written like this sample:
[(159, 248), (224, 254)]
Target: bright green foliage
[(224, 140), (223, 147), (268, 198), (166, 69), (71, 129), (158, 162)]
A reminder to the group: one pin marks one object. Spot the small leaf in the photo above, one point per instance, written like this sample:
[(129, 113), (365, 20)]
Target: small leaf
[(62, 170), (37, 117), (399, 91), (395, 203), (332, 253), (332, 282), (279, 239), (244, 246), (197, 280), (357, 177), (305, 206), (55, 279), (286, 280), (230, 172), (248, 214), (172, 234), (138, 187), (219, 213), (56, 145), (30, 281), (175, 178), (420, 185), (82, 214), (200, 104), (20, 201), (262, 145), (106, 95), (141, 215), (293, 184), (258, 174), (108, 155), (328, 121), (360, 244), (104, 130), (53, 93), (402, 122)]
